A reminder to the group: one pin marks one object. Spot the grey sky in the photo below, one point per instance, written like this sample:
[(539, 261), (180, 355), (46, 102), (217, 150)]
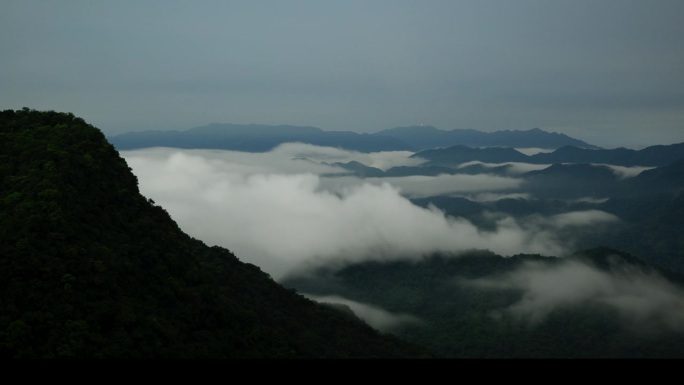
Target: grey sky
[(608, 72)]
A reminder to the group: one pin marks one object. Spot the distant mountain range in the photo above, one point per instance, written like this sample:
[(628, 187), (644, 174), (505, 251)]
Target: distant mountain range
[(649, 157), (261, 138)]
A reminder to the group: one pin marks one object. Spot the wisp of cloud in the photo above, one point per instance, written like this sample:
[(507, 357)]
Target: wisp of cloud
[(378, 318), (645, 300)]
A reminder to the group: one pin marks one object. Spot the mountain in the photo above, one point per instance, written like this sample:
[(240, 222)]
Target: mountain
[(652, 207), (261, 138), (455, 155), (652, 156), (663, 179), (570, 181), (660, 235), (90, 268), (597, 303), (256, 138), (427, 137)]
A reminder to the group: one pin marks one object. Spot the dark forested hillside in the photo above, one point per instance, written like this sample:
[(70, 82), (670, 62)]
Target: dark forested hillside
[(89, 268), (599, 303)]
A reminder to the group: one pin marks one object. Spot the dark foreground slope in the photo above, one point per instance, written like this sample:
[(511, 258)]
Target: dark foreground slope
[(90, 268)]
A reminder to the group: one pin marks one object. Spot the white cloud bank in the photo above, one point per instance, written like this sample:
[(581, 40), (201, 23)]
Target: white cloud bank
[(383, 160), (419, 186), (645, 300), (272, 210)]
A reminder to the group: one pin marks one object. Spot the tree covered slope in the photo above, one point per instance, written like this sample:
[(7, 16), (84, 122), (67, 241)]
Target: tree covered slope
[(90, 268), (598, 303)]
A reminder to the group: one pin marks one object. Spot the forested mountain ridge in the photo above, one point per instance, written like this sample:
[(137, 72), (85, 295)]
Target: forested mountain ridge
[(597, 303), (90, 268), (652, 156)]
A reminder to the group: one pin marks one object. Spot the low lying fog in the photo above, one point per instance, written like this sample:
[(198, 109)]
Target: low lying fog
[(282, 210), (645, 301), (285, 210)]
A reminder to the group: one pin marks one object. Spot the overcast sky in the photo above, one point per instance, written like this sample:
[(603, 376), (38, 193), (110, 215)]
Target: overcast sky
[(609, 72)]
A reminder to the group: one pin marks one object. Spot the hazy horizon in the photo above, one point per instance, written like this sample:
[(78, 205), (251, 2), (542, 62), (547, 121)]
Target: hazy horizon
[(608, 73)]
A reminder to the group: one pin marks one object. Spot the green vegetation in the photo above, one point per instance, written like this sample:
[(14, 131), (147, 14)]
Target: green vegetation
[(461, 319), (90, 268)]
